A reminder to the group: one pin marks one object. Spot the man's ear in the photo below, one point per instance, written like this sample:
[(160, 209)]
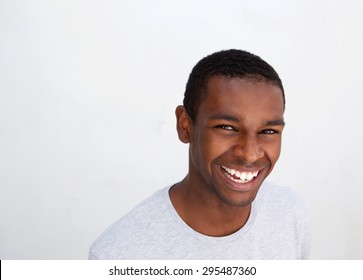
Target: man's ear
[(183, 124)]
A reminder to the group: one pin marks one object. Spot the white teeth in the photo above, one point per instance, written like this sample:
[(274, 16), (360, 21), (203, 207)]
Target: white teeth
[(249, 176), (244, 176)]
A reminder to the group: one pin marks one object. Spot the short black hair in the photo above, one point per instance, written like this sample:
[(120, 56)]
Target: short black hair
[(229, 63)]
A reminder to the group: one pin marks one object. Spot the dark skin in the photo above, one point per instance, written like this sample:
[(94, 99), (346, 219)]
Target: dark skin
[(234, 144)]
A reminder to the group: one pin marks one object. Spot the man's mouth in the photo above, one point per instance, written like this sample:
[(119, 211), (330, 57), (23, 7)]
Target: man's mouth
[(241, 177)]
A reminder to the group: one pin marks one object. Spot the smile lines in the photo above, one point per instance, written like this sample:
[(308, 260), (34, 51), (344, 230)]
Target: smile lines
[(238, 176)]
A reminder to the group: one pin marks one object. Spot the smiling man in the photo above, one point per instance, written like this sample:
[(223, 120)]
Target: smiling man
[(233, 119)]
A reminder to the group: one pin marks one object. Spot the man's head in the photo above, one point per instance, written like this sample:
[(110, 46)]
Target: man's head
[(233, 120), (231, 64)]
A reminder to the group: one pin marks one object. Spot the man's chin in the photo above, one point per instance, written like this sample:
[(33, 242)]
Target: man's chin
[(237, 199)]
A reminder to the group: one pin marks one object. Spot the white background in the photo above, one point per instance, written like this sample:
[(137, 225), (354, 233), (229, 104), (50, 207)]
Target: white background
[(87, 97)]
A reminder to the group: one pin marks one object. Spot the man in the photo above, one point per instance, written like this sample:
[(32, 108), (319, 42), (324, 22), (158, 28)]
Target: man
[(232, 119)]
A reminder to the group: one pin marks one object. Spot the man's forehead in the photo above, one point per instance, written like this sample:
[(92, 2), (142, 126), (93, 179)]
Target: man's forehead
[(238, 99), (223, 85), (223, 89), (217, 96)]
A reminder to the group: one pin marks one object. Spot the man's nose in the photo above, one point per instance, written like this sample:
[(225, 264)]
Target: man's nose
[(249, 149)]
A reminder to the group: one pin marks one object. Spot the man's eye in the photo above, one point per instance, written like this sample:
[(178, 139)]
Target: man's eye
[(270, 131), (226, 127)]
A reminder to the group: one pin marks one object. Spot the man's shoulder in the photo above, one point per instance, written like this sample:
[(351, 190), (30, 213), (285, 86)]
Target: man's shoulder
[(280, 198), (281, 212), (272, 191), (129, 228)]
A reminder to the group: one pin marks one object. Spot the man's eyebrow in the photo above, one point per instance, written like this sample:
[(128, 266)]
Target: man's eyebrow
[(232, 118), (275, 122), (225, 117)]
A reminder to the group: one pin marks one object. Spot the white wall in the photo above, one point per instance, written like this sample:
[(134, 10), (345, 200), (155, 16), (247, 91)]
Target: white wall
[(87, 97)]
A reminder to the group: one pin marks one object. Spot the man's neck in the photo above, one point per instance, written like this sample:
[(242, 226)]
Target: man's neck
[(204, 212)]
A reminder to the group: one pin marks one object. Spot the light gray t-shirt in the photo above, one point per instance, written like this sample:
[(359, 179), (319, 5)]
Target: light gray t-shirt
[(276, 229)]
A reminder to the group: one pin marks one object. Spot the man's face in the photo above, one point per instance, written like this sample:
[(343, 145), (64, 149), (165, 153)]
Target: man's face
[(236, 139)]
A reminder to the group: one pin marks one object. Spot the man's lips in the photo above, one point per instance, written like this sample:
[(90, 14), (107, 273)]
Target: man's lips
[(240, 176)]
